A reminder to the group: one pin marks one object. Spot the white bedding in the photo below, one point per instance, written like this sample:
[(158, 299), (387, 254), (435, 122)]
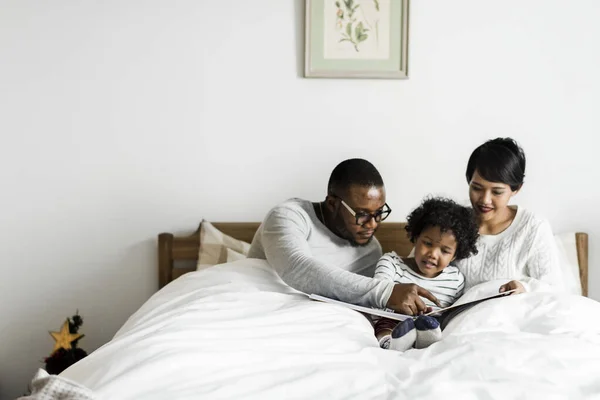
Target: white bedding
[(237, 331)]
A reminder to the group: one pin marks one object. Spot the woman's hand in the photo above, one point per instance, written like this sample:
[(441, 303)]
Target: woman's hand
[(516, 285), (405, 298)]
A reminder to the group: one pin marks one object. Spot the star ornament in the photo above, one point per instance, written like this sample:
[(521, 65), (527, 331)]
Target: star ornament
[(64, 338)]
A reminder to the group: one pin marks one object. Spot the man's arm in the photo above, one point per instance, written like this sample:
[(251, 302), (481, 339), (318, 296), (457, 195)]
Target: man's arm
[(284, 239)]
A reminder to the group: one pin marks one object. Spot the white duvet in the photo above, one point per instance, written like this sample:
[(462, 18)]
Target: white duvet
[(237, 331)]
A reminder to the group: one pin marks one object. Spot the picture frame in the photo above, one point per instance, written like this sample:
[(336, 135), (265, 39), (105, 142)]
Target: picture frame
[(356, 39)]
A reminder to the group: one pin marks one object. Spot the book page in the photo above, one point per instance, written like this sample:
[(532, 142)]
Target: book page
[(472, 302), (366, 310)]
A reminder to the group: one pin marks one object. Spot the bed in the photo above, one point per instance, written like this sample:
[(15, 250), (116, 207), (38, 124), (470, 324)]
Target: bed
[(235, 330)]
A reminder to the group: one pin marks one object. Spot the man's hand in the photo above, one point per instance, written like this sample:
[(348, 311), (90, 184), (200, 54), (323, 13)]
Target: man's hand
[(512, 285), (406, 299)]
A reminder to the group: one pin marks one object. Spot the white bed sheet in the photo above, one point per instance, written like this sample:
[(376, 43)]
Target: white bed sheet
[(237, 331)]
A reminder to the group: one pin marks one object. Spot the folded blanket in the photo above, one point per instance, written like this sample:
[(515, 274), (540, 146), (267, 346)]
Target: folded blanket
[(55, 387)]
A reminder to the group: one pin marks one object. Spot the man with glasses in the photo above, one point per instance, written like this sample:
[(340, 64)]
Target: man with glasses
[(329, 248)]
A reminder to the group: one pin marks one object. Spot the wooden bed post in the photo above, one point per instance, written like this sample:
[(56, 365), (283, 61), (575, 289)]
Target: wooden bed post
[(165, 260), (581, 240)]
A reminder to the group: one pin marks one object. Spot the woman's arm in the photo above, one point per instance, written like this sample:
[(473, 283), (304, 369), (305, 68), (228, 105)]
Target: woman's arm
[(543, 265), (542, 268)]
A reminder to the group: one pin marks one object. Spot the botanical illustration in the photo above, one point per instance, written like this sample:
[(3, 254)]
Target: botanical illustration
[(357, 29)]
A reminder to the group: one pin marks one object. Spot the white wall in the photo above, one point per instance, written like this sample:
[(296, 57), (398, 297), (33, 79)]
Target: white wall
[(123, 119)]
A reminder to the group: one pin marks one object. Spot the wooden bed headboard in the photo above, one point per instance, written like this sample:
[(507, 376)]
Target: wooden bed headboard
[(183, 250)]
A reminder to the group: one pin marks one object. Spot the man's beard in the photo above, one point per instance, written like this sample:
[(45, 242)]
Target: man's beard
[(353, 242), (344, 233)]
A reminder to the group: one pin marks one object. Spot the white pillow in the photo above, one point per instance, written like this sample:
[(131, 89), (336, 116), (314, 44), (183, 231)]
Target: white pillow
[(214, 246), (569, 264)]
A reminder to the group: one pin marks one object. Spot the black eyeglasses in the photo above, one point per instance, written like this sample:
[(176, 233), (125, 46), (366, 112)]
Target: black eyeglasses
[(364, 217)]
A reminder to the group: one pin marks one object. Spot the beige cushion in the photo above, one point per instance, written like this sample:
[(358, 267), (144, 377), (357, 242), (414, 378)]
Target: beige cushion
[(214, 246), (233, 255)]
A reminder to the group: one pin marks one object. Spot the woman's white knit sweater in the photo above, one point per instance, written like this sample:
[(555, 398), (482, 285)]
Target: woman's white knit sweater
[(525, 251)]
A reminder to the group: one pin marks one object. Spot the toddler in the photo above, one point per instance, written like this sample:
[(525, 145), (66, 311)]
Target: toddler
[(442, 232)]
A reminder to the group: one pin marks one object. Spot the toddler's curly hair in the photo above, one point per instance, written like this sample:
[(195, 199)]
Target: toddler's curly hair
[(450, 217)]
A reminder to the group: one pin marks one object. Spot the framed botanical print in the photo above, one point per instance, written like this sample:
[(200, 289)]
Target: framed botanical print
[(356, 39)]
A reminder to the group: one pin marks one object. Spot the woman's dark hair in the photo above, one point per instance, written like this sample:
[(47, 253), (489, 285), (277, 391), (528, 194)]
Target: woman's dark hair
[(499, 160), (449, 217)]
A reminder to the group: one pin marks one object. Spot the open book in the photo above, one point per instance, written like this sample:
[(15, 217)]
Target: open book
[(445, 313)]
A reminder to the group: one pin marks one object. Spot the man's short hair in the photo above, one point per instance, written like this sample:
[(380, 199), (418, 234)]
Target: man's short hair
[(354, 171)]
